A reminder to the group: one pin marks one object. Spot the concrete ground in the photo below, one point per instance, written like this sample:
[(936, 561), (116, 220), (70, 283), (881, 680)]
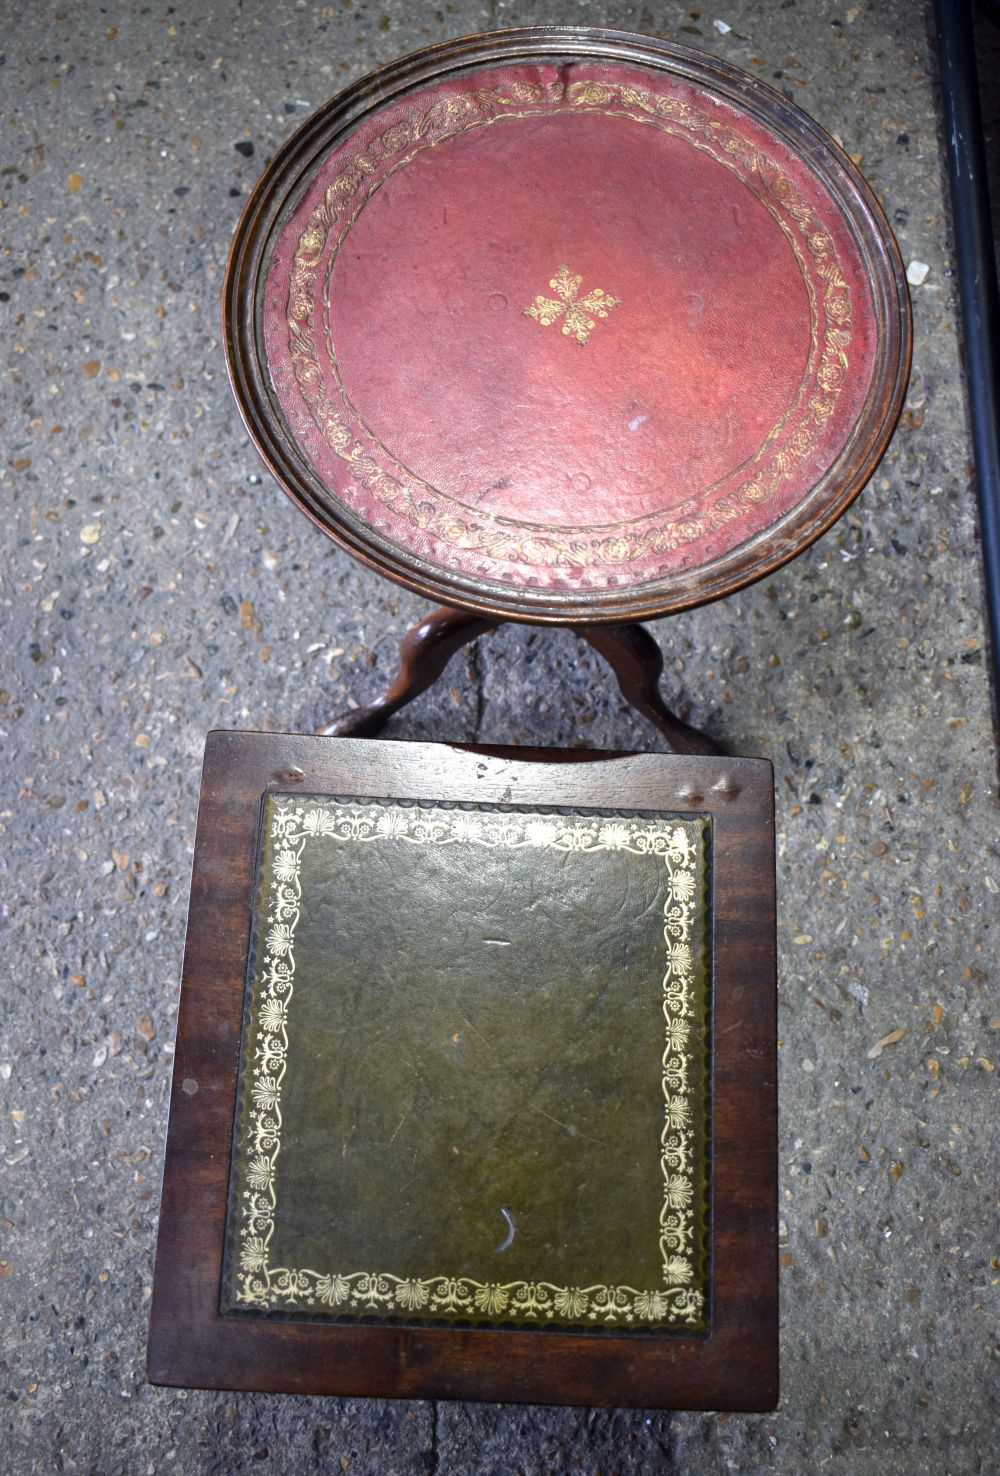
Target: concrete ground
[(156, 585)]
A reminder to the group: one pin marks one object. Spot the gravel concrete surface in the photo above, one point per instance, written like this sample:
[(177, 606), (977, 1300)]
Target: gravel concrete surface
[(156, 585)]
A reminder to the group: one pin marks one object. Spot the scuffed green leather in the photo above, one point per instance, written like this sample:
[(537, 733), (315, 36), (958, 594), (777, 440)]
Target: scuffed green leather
[(472, 1082)]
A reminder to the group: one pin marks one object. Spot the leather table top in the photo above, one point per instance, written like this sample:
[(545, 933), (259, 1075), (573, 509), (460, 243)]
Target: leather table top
[(582, 327), (473, 1072)]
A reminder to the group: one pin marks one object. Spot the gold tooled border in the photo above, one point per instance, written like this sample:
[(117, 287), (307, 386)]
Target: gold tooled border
[(680, 1301), (503, 541)]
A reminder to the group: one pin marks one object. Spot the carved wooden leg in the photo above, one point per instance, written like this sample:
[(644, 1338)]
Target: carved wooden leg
[(423, 656), (637, 662)]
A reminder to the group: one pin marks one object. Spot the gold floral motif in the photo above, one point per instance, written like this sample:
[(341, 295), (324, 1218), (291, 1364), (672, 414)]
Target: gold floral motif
[(298, 823), (504, 541), (574, 310)]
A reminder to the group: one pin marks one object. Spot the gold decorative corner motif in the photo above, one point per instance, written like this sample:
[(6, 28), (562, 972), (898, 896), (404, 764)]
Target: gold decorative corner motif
[(572, 309)]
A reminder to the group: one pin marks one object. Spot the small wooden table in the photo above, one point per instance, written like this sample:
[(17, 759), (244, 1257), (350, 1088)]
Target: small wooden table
[(475, 1084), (565, 326)]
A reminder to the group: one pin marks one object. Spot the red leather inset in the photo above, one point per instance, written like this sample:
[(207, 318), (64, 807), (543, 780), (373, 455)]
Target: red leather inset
[(589, 443)]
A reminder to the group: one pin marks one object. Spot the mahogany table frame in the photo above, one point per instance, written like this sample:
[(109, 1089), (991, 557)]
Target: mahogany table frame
[(426, 649), (734, 1366)]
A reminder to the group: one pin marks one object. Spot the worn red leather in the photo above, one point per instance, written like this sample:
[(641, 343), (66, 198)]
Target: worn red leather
[(572, 327)]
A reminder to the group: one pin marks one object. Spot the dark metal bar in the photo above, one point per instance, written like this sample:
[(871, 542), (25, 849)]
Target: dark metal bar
[(977, 281)]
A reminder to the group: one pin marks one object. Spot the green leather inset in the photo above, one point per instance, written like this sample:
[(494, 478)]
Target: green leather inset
[(473, 1079)]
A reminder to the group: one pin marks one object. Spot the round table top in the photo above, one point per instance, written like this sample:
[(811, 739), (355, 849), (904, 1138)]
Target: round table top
[(567, 325)]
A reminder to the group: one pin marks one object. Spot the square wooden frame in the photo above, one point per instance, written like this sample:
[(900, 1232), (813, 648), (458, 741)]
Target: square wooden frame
[(734, 1365)]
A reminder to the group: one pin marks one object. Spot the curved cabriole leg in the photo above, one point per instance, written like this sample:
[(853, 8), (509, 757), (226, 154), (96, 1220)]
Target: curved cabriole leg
[(637, 662), (423, 656)]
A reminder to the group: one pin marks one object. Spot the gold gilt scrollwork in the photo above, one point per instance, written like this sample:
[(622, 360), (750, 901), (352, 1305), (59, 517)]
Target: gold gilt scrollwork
[(261, 1283), (499, 541)]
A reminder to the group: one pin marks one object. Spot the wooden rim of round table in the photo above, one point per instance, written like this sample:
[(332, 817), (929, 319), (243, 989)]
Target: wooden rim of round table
[(565, 326)]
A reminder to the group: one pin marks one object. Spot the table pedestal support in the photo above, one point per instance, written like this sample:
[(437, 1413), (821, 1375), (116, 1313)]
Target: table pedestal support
[(629, 650)]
